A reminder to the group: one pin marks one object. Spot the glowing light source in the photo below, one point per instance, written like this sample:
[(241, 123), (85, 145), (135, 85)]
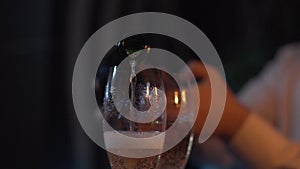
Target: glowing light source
[(183, 96), (148, 89), (147, 47), (155, 91), (176, 98)]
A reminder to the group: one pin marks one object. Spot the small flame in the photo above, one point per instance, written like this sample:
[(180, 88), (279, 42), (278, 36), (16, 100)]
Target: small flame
[(176, 98)]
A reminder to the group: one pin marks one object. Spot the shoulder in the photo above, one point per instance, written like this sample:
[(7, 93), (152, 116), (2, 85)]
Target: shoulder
[(288, 57)]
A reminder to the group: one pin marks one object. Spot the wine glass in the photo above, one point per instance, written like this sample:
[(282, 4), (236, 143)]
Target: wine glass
[(124, 110), (177, 100)]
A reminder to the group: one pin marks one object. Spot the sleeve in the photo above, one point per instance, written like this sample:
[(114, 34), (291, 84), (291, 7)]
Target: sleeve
[(259, 94), (260, 145)]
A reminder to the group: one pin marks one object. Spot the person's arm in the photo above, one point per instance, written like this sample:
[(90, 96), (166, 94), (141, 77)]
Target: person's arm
[(263, 147), (234, 113), (251, 137), (260, 93)]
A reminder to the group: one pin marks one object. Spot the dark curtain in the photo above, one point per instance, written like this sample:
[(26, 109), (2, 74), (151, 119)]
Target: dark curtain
[(40, 41)]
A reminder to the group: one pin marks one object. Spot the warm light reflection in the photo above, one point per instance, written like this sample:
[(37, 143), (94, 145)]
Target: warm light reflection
[(155, 91), (183, 96), (148, 89), (147, 48), (176, 98)]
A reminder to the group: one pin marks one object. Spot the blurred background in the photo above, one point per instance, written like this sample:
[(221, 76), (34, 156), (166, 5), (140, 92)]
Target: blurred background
[(41, 39)]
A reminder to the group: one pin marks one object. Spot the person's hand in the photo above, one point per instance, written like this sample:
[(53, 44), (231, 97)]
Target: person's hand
[(234, 113)]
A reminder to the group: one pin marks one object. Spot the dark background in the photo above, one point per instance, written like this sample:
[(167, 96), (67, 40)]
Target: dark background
[(40, 41)]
